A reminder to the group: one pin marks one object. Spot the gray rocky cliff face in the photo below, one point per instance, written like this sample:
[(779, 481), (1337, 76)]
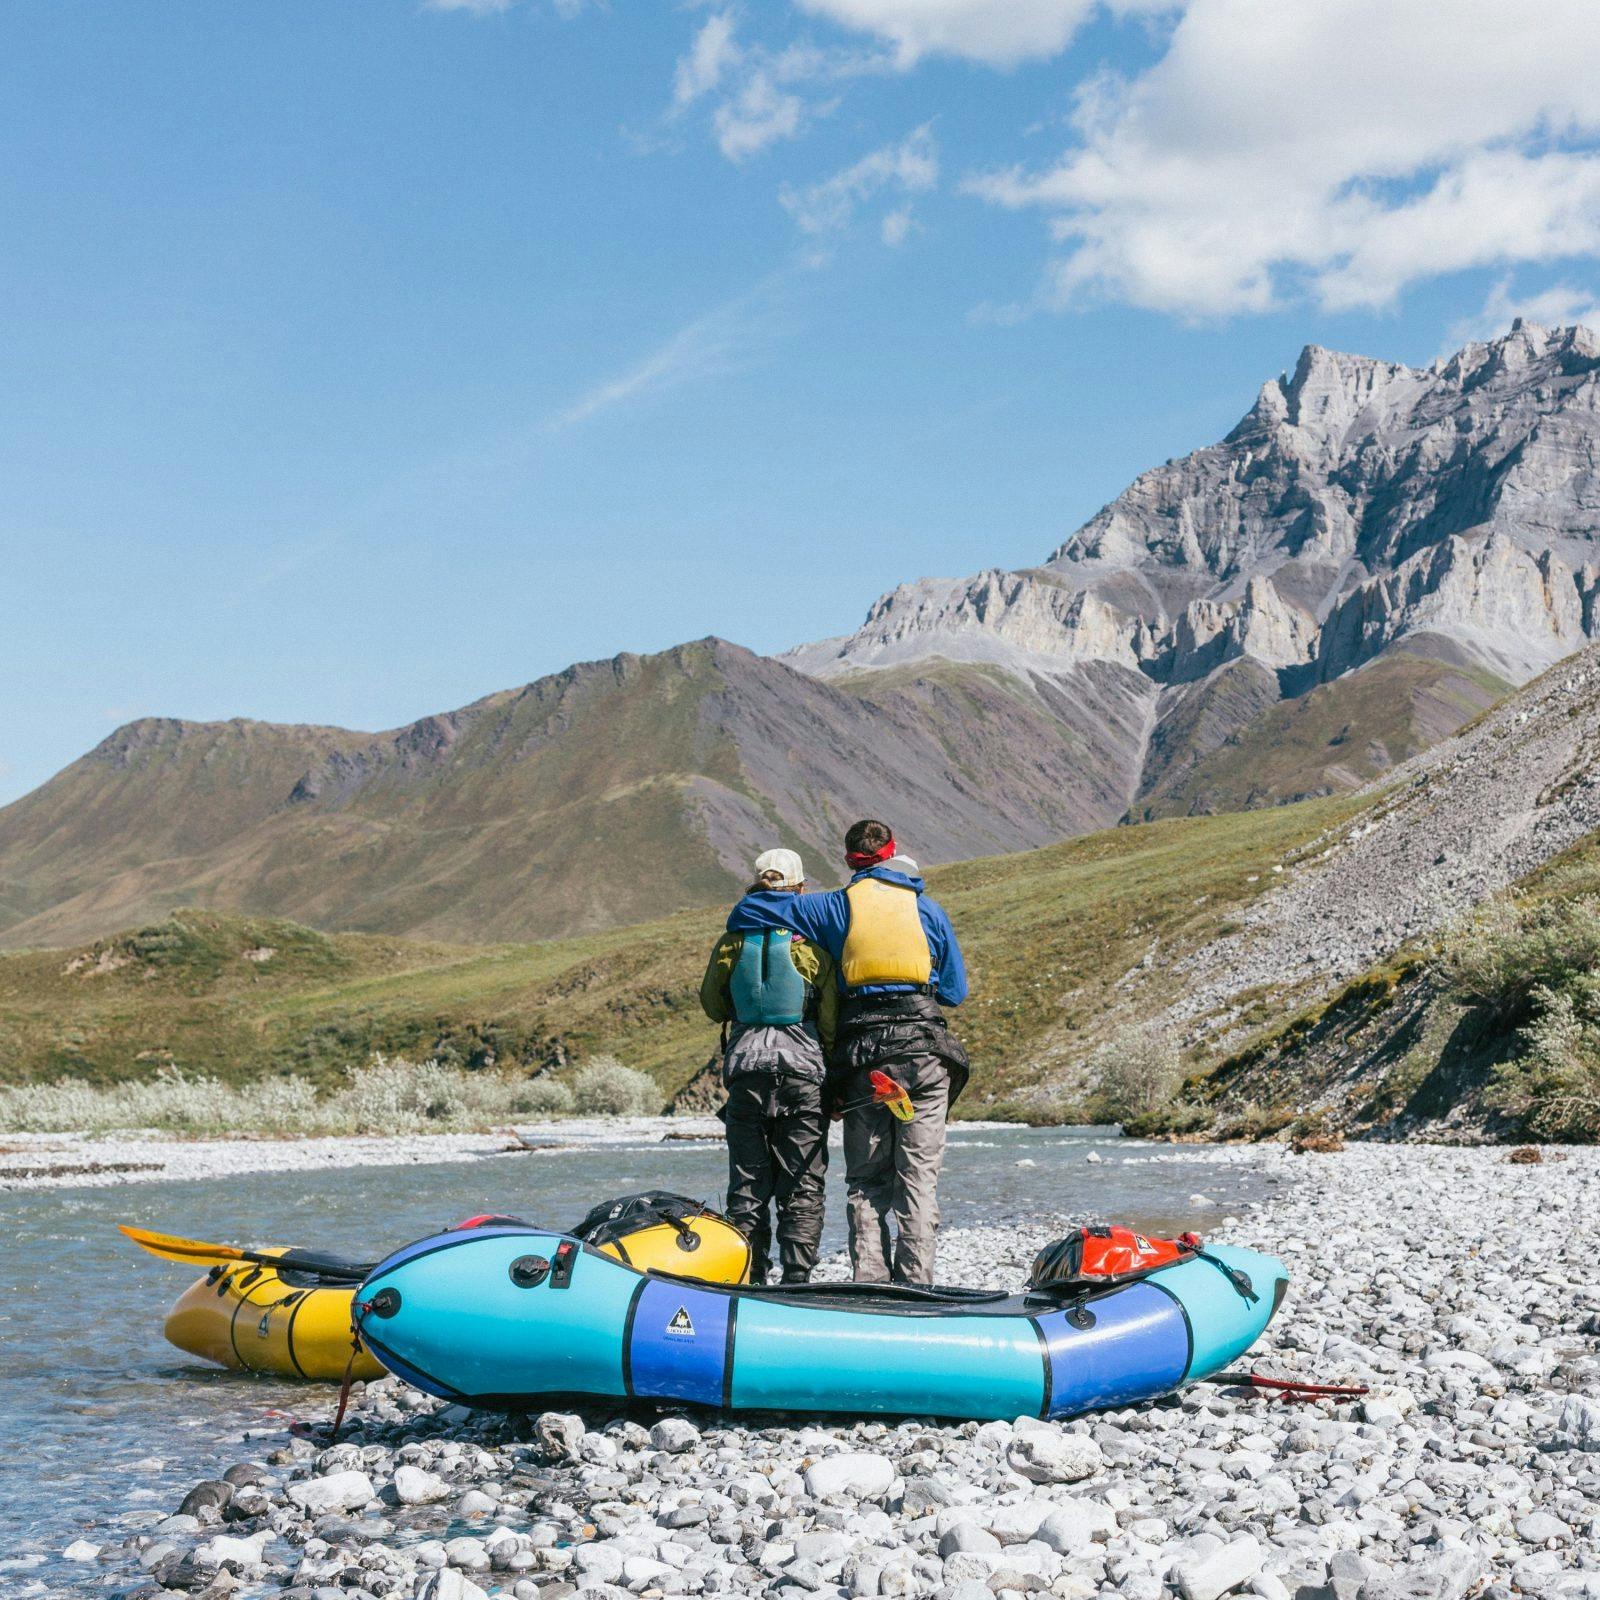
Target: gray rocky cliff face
[(1359, 503), (1451, 827)]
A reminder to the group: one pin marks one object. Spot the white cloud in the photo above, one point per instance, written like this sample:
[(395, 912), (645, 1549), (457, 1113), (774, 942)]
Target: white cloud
[(896, 226), (1346, 148), (565, 9), (762, 94), (759, 114), (907, 168), (722, 341), (701, 67), (999, 33), (1559, 306), (755, 111)]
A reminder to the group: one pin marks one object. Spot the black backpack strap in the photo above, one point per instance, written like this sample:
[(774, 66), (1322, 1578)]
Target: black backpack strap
[(607, 1222)]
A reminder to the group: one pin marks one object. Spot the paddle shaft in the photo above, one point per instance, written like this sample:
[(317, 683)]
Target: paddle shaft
[(203, 1253)]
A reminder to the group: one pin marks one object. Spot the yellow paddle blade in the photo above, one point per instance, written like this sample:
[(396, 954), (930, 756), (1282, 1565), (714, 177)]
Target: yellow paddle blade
[(195, 1252), (891, 1095)]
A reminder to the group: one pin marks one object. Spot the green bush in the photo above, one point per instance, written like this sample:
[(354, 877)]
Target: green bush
[(387, 1097), (1511, 948), (543, 1097), (396, 1096), (1553, 1086), (1173, 1118), (603, 1087), (1255, 1122), (1135, 1075), (168, 1102), (1534, 968)]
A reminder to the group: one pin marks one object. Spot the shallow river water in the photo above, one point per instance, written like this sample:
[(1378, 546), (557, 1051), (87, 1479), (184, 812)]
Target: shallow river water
[(100, 1417)]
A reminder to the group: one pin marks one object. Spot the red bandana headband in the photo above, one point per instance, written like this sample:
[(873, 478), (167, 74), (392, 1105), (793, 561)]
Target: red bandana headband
[(860, 860)]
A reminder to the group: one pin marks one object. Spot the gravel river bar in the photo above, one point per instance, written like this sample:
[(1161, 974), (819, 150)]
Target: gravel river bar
[(1462, 1288)]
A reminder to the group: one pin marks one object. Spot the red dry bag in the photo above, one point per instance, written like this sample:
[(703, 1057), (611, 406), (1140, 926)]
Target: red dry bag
[(1102, 1256)]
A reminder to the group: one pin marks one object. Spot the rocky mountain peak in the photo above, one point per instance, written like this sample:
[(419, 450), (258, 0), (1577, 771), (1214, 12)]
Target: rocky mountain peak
[(125, 744), (1333, 395), (1371, 557), (1358, 503)]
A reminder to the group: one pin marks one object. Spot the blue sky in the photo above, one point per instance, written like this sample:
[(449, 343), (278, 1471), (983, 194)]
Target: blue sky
[(362, 358)]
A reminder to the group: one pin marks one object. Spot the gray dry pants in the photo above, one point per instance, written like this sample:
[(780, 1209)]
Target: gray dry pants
[(777, 1150), (891, 1168)]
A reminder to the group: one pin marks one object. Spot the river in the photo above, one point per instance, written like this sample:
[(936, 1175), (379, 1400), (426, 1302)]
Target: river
[(105, 1425)]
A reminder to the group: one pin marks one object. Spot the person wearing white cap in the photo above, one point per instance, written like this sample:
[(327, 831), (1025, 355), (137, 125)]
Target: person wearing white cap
[(900, 967), (776, 995)]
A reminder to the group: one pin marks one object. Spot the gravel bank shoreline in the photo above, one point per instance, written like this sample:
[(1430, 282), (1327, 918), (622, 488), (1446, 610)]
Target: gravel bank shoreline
[(1460, 1287), (63, 1160)]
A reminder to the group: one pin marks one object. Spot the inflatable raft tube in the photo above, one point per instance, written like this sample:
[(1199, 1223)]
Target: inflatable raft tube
[(518, 1318), (265, 1318), (257, 1318)]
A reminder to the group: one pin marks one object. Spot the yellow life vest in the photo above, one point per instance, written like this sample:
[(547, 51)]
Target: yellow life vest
[(886, 942)]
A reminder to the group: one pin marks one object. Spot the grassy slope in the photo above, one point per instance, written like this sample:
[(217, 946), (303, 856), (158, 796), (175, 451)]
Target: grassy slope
[(115, 809), (484, 823), (1047, 932), (434, 843), (1332, 740)]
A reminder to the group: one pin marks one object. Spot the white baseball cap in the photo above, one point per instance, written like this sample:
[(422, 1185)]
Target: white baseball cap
[(785, 862)]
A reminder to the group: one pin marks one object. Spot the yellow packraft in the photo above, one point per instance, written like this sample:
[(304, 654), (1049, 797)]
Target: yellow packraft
[(276, 1312)]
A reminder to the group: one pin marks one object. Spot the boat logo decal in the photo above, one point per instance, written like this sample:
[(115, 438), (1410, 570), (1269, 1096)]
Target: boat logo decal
[(680, 1323)]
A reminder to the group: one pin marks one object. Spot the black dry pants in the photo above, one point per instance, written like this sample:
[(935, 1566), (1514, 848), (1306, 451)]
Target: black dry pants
[(777, 1150)]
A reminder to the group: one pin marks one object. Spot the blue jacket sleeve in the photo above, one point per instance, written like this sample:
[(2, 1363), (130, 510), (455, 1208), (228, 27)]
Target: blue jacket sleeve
[(822, 918), (949, 968)]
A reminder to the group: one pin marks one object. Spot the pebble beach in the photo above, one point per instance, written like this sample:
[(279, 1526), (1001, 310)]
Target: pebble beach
[(1458, 1287)]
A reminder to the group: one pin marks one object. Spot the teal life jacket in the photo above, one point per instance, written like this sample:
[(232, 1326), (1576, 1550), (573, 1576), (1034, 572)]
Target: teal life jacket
[(766, 987)]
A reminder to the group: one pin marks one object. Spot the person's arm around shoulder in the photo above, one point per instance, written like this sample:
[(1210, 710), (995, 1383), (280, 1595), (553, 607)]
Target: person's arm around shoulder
[(824, 919), (716, 999), (949, 966)]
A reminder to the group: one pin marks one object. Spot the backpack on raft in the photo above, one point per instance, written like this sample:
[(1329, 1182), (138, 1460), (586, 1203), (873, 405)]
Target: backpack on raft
[(657, 1231), (1103, 1257), (1108, 1255), (615, 1219)]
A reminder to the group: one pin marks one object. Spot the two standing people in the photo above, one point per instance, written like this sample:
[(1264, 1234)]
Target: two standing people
[(891, 960)]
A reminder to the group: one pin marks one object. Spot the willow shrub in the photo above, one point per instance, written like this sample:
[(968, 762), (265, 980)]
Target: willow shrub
[(1533, 967), (387, 1096)]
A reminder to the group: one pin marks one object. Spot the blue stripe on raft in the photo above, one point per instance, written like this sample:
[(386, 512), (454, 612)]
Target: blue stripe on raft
[(812, 1359), (1137, 1346), (1225, 1323), (679, 1344)]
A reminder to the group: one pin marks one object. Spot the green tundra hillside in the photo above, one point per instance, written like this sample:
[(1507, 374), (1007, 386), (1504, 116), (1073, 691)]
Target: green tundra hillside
[(609, 794), (1048, 934)]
